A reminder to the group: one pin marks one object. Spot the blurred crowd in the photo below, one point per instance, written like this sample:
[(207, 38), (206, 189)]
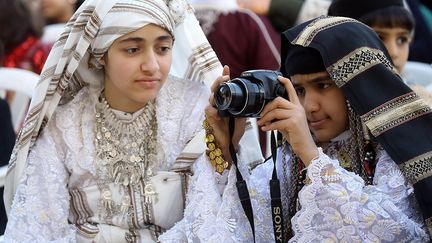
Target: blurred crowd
[(245, 34)]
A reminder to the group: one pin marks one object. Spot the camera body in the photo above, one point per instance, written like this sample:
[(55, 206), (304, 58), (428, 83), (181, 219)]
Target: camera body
[(247, 95)]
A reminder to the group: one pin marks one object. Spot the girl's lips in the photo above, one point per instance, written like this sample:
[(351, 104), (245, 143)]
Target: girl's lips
[(317, 123), (147, 83)]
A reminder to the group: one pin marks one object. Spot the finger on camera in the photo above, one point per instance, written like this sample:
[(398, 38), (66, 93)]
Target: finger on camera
[(276, 125), (225, 77), (292, 94), (276, 114), (219, 81), (278, 103), (211, 100), (226, 70)]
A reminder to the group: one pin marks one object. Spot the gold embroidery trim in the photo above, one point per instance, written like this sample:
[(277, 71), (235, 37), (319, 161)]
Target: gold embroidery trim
[(394, 117), (389, 105), (418, 168), (357, 62), (308, 34)]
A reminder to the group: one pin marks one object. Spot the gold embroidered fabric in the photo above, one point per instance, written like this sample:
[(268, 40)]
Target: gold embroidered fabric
[(418, 168), (395, 113), (320, 24), (357, 62)]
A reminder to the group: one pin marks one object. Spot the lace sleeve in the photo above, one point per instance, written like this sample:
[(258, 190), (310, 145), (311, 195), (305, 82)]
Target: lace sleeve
[(337, 206), (40, 207), (212, 217), (208, 216)]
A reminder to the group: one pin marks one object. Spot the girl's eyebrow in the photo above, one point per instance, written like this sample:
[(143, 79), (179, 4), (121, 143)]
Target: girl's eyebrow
[(314, 80), (133, 39), (320, 79), (140, 39)]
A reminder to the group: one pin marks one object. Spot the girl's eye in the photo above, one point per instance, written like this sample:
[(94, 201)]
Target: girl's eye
[(402, 40), (164, 49), (324, 85), (300, 91), (132, 50)]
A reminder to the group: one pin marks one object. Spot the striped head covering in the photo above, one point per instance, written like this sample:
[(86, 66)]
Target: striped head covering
[(75, 60), (397, 117)]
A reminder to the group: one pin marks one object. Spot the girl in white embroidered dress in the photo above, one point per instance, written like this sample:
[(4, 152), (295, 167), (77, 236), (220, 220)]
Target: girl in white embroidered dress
[(103, 165)]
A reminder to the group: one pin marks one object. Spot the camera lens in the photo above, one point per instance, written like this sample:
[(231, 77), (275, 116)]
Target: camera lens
[(229, 95)]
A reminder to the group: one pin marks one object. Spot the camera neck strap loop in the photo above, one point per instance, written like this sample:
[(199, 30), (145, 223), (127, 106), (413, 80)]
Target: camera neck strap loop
[(242, 189), (275, 193)]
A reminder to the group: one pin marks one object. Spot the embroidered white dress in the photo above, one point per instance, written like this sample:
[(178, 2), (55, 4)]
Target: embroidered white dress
[(59, 196), (335, 207)]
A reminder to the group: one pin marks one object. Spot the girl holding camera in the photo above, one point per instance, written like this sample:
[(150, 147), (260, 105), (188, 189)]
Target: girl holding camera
[(356, 161)]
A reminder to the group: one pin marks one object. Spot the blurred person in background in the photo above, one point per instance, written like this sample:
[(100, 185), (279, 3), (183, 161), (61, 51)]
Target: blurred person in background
[(241, 39), (394, 24), (56, 14), (20, 37), (312, 9), (57, 11), (420, 48), (281, 13), (7, 141), (390, 19)]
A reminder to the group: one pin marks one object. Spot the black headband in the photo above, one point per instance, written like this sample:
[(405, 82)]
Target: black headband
[(302, 60)]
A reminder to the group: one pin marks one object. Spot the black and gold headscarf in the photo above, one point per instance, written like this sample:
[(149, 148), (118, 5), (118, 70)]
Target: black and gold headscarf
[(359, 64)]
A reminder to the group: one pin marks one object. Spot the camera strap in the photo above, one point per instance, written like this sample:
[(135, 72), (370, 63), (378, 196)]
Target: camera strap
[(275, 194), (242, 189)]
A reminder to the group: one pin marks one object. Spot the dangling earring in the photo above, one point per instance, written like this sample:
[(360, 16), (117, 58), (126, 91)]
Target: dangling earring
[(366, 150), (369, 157)]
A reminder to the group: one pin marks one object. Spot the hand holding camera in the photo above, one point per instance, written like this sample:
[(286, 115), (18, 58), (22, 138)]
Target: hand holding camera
[(264, 94), (289, 118), (219, 124), (247, 95)]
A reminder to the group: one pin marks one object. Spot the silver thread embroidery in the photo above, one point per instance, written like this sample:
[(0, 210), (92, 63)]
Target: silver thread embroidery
[(126, 151)]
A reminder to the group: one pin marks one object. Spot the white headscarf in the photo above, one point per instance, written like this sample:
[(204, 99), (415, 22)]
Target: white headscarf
[(74, 60)]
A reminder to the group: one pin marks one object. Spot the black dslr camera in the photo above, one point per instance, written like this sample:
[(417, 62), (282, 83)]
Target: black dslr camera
[(247, 95)]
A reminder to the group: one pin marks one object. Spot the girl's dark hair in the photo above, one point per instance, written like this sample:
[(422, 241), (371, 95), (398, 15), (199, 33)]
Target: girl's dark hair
[(16, 23), (390, 17)]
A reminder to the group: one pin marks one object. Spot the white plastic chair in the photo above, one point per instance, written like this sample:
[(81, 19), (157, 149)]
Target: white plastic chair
[(23, 83), (418, 73)]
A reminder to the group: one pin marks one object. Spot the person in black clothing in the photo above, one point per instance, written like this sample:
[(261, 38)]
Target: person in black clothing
[(7, 141)]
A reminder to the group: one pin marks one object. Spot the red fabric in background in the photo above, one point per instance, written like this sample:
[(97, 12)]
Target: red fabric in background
[(31, 55), (239, 43)]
